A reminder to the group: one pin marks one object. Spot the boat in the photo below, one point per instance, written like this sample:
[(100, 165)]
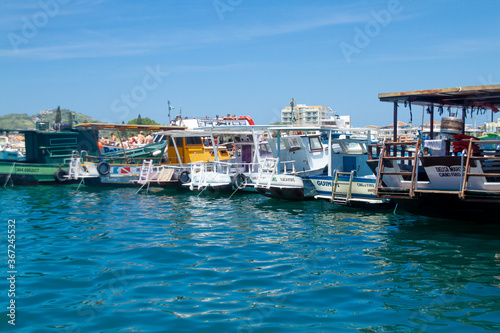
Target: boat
[(249, 148), (450, 174), (297, 157), (349, 180), (10, 151), (199, 123), (47, 155), (170, 168)]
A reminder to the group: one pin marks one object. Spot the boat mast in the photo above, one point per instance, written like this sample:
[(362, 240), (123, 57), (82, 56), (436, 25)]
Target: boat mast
[(168, 102)]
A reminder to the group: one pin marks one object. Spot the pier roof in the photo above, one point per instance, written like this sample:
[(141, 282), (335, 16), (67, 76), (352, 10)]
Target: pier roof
[(487, 96)]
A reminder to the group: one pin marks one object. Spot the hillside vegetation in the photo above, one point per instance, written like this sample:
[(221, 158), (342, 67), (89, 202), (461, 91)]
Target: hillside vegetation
[(23, 121)]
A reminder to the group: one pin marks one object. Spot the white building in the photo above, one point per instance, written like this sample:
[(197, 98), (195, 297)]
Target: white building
[(316, 115)]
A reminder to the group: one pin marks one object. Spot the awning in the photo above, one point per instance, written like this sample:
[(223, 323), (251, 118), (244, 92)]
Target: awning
[(128, 127), (475, 96)]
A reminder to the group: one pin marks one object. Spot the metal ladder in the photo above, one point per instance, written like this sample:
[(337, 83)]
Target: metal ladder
[(268, 166), (75, 169), (342, 198), (198, 170), (145, 171)]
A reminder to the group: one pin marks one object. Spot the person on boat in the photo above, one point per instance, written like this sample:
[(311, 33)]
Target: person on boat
[(141, 138), (113, 137), (149, 138)]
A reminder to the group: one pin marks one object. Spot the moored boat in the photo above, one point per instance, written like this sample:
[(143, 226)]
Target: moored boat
[(47, 155), (451, 175)]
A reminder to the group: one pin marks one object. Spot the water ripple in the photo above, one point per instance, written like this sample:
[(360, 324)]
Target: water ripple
[(114, 261)]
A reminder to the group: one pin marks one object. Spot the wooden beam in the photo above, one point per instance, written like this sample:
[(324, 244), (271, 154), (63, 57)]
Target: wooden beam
[(395, 134)]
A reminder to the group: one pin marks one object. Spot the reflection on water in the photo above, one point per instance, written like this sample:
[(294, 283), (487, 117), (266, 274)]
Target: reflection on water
[(111, 260)]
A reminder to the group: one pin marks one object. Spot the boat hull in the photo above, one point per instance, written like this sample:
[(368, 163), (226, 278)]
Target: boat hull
[(31, 174), (362, 192), (287, 187)]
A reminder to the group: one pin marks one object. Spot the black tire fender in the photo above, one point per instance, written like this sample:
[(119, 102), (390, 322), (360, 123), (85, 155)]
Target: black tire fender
[(103, 168), (59, 175), (184, 177), (240, 181)]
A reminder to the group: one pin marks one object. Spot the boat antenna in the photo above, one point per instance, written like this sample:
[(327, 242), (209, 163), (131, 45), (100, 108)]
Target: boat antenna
[(292, 104), (168, 102)]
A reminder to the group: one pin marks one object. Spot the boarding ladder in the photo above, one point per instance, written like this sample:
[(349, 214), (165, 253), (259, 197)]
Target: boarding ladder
[(75, 170), (386, 159), (269, 166), (342, 198), (199, 175), (144, 175)]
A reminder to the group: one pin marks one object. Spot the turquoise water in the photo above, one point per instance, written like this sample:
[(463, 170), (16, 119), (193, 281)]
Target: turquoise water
[(113, 261)]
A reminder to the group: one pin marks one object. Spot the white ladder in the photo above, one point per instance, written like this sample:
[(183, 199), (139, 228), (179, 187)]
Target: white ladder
[(268, 166), (75, 169), (145, 173), (199, 175)]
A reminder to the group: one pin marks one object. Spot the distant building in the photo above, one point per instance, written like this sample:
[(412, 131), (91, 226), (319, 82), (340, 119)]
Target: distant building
[(316, 115)]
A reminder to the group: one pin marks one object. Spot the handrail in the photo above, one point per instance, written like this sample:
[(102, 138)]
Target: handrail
[(467, 169), (415, 168), (380, 167)]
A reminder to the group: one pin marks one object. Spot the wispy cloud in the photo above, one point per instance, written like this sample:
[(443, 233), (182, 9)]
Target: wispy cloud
[(125, 39)]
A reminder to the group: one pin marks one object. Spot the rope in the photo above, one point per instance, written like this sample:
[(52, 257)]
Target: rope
[(233, 193), (141, 187), (10, 175), (395, 209), (81, 182)]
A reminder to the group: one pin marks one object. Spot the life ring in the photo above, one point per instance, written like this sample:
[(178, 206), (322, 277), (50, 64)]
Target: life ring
[(240, 181), (59, 175), (103, 168), (184, 177)]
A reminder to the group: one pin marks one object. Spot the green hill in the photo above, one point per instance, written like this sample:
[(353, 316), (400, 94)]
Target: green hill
[(23, 121)]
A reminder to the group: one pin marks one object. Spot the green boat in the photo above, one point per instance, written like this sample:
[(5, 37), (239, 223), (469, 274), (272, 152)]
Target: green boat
[(48, 153)]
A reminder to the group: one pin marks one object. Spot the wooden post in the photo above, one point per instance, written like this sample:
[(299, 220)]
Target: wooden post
[(395, 134), (464, 112), (432, 122)]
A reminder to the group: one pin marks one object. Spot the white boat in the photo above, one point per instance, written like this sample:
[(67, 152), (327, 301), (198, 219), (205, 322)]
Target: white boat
[(301, 156), (10, 152), (349, 180)]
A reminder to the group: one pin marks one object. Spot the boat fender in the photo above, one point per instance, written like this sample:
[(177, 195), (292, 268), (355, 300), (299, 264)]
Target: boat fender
[(59, 175), (240, 181), (103, 168), (184, 177)]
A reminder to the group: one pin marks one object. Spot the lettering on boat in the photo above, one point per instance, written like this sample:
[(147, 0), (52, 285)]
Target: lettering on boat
[(444, 171), (287, 179), (323, 183), (27, 169)]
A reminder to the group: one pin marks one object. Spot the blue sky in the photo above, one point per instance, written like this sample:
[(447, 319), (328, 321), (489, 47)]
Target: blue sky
[(114, 59)]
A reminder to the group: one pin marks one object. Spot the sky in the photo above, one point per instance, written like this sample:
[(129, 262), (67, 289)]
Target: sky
[(113, 60)]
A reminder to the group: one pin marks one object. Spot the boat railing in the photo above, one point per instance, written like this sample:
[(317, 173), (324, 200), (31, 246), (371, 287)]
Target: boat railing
[(487, 161), (122, 160), (287, 167)]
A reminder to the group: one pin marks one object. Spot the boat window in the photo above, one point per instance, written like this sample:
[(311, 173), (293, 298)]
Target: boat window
[(315, 143), (178, 142), (159, 138), (293, 144), (194, 140), (264, 148)]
